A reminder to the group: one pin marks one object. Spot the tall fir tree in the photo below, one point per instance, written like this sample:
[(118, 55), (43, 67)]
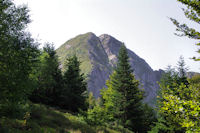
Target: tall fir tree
[(75, 86), (182, 71), (123, 96)]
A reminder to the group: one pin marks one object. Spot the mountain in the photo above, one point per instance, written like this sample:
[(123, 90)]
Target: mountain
[(98, 56), (191, 74)]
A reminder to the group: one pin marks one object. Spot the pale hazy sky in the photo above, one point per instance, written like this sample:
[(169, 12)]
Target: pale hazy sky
[(143, 25)]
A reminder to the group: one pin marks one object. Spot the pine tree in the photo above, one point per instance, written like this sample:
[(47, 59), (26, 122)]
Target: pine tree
[(112, 100), (182, 72), (174, 77), (74, 86), (123, 96), (49, 78)]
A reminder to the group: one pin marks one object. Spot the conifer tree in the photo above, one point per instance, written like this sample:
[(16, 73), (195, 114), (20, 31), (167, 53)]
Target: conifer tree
[(182, 72), (74, 86), (123, 96), (49, 78)]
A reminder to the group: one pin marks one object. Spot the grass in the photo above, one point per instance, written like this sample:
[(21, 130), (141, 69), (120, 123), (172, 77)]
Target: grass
[(44, 119)]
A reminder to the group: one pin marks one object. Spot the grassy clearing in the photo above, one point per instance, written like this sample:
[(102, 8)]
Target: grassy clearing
[(45, 119)]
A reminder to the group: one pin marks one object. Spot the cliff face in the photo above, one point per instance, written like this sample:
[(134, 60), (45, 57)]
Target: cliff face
[(99, 56)]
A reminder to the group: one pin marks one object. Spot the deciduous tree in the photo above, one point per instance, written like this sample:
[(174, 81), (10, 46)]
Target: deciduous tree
[(18, 54)]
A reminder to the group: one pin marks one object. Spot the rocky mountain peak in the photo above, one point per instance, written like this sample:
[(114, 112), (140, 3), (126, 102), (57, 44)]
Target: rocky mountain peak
[(110, 42), (107, 38), (99, 56), (90, 35)]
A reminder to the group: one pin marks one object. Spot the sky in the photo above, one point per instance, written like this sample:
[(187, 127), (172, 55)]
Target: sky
[(143, 25)]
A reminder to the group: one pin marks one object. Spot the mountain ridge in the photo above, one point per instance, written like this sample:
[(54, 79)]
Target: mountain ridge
[(99, 56)]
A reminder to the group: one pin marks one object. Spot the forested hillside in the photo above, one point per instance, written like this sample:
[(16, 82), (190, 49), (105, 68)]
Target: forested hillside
[(91, 84)]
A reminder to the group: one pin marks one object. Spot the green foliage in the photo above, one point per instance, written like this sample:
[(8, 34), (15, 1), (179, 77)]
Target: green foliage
[(49, 78), (44, 119), (128, 95), (111, 98), (72, 95), (96, 116), (122, 100), (182, 108), (179, 105), (192, 12), (174, 78), (18, 54), (195, 79), (183, 111), (161, 126), (91, 100), (148, 118)]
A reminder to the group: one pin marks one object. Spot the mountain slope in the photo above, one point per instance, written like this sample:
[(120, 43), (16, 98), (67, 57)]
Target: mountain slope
[(45, 119), (99, 55)]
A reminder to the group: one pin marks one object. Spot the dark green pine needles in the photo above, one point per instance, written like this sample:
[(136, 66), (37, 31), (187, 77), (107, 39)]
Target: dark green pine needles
[(123, 98), (74, 86)]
